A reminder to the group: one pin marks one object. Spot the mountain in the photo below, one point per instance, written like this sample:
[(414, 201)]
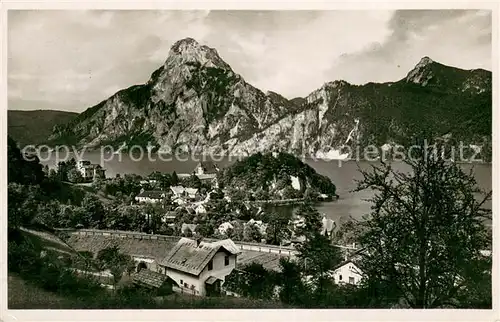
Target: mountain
[(34, 127), (196, 102)]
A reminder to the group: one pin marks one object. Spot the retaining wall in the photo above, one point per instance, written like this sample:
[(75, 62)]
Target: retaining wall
[(256, 247)]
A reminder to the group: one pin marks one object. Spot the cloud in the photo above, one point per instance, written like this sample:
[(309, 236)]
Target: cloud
[(75, 59), (460, 38)]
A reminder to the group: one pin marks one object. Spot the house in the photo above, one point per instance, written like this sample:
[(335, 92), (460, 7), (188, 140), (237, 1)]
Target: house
[(89, 170), (198, 267), (169, 217), (192, 193), (323, 197), (151, 196), (214, 183), (153, 281), (328, 226), (151, 184), (179, 201), (206, 167), (188, 227), (347, 272), (200, 209), (181, 192), (178, 191), (224, 227), (295, 182)]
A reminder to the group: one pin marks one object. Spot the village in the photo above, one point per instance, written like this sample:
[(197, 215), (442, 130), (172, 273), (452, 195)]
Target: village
[(195, 261), (215, 236)]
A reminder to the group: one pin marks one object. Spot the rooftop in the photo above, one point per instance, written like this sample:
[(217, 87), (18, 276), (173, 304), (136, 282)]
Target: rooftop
[(191, 258), (150, 278), (191, 191), (153, 194), (208, 167), (177, 189)]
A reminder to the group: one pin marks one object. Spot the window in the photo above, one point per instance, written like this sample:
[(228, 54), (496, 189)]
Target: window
[(351, 280), (340, 277), (210, 265), (186, 285), (226, 260), (182, 282)]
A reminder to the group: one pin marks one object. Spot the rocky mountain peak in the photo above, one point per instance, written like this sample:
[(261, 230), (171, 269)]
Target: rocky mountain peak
[(424, 61), (196, 102), (188, 51), (421, 73), (335, 84)]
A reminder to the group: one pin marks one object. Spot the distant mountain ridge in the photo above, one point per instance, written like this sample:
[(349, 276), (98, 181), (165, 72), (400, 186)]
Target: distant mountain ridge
[(196, 102), (34, 127)]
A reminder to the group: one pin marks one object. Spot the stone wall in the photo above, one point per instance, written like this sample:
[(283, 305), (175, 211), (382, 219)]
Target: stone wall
[(244, 246)]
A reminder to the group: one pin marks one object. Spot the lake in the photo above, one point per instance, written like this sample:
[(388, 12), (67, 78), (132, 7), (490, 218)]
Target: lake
[(343, 174)]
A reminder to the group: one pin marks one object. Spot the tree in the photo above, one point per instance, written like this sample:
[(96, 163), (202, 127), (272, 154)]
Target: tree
[(312, 220), (119, 218), (262, 194), (23, 202), (311, 194), (252, 233), (424, 235), (192, 182), (237, 233), (138, 220), (98, 183), (205, 229), (152, 213), (293, 290), (155, 175), (67, 216), (48, 214), (165, 181), (252, 281), (277, 229), (174, 179), (52, 174), (20, 169), (318, 255), (216, 194), (290, 193), (94, 210), (188, 232), (116, 262), (74, 176)]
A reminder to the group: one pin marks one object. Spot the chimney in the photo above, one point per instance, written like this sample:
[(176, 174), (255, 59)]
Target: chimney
[(198, 241)]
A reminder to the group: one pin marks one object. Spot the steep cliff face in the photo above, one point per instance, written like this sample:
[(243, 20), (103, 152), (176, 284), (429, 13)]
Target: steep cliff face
[(196, 102)]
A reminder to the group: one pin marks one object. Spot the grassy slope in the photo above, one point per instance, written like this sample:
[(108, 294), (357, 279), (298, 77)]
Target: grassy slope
[(34, 127), (23, 295)]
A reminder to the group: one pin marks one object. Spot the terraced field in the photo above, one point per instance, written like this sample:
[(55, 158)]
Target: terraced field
[(132, 246), (158, 248), (268, 261)]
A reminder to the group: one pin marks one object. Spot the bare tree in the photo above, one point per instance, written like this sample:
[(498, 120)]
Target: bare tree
[(425, 234)]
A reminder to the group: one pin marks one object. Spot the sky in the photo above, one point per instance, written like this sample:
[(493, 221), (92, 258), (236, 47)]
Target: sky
[(72, 60)]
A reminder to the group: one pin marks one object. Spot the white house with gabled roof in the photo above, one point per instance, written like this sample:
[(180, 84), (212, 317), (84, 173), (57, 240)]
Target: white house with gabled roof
[(347, 272), (199, 267)]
